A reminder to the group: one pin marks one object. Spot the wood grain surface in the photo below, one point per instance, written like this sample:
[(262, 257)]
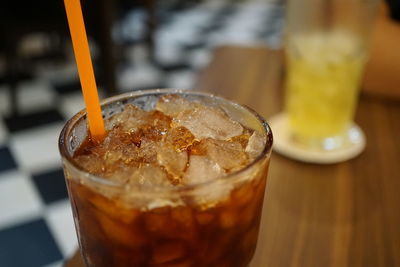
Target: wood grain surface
[(345, 214)]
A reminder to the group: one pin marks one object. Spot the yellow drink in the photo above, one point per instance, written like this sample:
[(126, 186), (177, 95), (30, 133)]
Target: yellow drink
[(324, 71)]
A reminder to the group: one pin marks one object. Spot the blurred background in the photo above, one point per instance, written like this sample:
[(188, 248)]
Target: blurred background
[(135, 44)]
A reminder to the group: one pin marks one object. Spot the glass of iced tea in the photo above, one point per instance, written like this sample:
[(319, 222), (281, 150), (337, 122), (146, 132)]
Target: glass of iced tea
[(179, 180), (326, 49)]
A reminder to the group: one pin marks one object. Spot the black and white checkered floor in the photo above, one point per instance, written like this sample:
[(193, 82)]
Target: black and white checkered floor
[(36, 225)]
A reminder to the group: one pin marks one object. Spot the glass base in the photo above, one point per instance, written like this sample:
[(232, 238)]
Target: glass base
[(324, 151)]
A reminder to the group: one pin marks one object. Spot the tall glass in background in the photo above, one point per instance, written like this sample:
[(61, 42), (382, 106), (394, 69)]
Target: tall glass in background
[(326, 50)]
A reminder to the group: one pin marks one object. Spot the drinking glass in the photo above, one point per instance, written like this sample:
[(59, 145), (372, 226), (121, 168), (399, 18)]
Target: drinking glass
[(326, 50), (213, 223)]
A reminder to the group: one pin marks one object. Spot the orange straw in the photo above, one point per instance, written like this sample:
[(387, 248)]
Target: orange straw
[(85, 68)]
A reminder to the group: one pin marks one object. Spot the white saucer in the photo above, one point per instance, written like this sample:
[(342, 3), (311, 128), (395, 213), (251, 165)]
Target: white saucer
[(285, 145)]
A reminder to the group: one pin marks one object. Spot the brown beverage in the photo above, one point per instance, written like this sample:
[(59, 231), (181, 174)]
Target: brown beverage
[(178, 181)]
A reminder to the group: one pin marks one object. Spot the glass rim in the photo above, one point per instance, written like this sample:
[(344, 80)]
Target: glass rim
[(81, 115)]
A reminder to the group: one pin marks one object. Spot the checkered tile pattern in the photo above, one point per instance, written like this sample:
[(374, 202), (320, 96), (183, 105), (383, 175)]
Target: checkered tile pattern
[(36, 224)]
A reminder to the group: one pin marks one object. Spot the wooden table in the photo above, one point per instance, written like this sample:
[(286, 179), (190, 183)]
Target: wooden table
[(344, 214)]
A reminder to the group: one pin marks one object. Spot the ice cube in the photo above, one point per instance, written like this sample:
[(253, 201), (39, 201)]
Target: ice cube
[(137, 144), (158, 203), (148, 151), (206, 122), (134, 120), (172, 105), (127, 120), (242, 139), (116, 155), (197, 148), (180, 137), (118, 146), (130, 154), (153, 130), (121, 233), (147, 176), (226, 154), (116, 210), (112, 156), (159, 120), (173, 161), (113, 140), (202, 169), (117, 174), (91, 163), (256, 144)]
